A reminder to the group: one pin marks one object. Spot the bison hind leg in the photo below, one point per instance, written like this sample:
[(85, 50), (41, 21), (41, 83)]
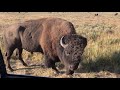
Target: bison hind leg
[(19, 54), (8, 56)]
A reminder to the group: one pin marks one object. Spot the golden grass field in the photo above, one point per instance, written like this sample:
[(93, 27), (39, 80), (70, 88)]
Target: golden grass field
[(101, 58)]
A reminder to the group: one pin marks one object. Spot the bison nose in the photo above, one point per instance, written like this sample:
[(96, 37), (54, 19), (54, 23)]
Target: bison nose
[(74, 66)]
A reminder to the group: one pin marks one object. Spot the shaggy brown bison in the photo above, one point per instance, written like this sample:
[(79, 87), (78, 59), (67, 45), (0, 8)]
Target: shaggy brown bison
[(54, 37)]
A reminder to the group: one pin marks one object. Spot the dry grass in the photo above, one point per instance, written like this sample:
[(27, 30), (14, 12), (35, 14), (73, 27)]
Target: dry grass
[(102, 54)]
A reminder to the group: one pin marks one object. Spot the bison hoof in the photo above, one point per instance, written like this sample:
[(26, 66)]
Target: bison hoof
[(43, 66), (25, 64), (57, 72), (11, 69), (69, 72)]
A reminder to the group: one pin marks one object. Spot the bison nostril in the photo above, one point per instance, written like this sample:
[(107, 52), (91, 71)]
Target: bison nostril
[(71, 67)]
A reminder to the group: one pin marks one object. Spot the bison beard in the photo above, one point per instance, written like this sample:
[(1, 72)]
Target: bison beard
[(55, 38)]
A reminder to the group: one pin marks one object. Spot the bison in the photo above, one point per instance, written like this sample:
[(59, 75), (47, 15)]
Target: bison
[(56, 38)]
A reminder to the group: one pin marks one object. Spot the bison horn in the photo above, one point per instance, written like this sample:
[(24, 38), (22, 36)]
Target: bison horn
[(62, 44)]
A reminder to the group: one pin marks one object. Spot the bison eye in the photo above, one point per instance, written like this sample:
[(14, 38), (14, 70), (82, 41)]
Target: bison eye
[(67, 53)]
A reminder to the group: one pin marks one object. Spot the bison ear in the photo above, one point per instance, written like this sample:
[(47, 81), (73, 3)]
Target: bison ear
[(84, 42), (62, 42)]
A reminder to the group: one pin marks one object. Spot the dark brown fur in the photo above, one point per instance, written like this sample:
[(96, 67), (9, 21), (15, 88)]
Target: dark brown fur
[(42, 35)]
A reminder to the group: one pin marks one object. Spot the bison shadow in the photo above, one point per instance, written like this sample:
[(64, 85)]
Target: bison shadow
[(35, 66), (102, 64), (29, 67)]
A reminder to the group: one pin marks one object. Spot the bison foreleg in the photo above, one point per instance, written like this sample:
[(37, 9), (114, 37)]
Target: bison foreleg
[(8, 64), (49, 63), (19, 51)]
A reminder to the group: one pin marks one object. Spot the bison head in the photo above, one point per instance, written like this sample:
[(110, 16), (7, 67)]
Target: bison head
[(73, 48)]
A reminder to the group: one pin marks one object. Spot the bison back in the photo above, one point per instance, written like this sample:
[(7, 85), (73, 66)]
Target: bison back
[(30, 37)]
